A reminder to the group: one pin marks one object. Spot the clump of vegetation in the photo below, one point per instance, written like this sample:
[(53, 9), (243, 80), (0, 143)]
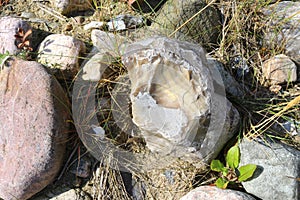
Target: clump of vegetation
[(232, 172)]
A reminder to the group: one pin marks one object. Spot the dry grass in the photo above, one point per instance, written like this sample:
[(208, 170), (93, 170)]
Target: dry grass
[(241, 37)]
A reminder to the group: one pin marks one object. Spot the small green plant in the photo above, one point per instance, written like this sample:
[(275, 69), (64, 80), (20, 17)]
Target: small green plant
[(3, 57), (232, 172)]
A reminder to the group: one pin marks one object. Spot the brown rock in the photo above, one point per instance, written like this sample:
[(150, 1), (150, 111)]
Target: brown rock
[(279, 69), (67, 7), (61, 53), (8, 28), (33, 128)]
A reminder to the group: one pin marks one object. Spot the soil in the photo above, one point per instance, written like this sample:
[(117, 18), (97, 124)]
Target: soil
[(45, 21)]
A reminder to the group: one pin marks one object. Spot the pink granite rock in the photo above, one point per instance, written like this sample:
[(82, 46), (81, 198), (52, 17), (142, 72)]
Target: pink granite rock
[(8, 28), (210, 192), (33, 128)]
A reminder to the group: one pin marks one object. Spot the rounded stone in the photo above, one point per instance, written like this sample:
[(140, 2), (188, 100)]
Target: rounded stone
[(33, 128)]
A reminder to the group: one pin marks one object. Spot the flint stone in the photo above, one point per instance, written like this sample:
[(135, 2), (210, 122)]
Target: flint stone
[(279, 69), (232, 87), (285, 27), (61, 53), (8, 28), (174, 101), (67, 7), (202, 29), (210, 192), (278, 168), (33, 128)]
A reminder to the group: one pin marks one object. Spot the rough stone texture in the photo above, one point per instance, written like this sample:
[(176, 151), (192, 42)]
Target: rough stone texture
[(111, 43), (210, 192), (67, 7), (33, 128), (146, 6), (278, 168), (232, 87), (202, 29), (279, 69), (174, 102), (61, 52), (285, 27), (8, 28), (107, 47)]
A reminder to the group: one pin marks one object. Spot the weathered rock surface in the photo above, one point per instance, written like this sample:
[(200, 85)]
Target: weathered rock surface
[(8, 28), (107, 48), (209, 193), (284, 27), (203, 28), (111, 43), (146, 6), (67, 7), (279, 69), (232, 87), (174, 101), (33, 128), (61, 53), (278, 168)]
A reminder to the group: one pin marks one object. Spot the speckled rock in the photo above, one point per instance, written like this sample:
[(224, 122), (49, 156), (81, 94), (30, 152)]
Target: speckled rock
[(279, 69), (278, 166), (33, 128), (210, 192), (67, 7), (8, 28), (284, 27), (61, 53), (203, 28)]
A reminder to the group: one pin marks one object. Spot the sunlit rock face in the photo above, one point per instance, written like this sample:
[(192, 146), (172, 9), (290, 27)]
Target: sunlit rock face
[(178, 103)]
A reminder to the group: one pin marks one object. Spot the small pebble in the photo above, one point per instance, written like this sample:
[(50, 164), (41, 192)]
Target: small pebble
[(28, 15), (93, 25)]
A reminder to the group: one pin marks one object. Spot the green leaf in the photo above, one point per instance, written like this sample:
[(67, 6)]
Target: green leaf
[(3, 57), (246, 172), (217, 166), (222, 183), (233, 157)]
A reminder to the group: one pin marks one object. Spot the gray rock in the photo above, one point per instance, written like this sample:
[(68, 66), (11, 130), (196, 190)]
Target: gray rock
[(232, 87), (33, 128), (94, 68), (61, 53), (210, 192), (107, 48), (174, 102), (67, 7), (111, 43), (8, 28), (146, 6), (203, 28), (284, 27), (124, 22), (278, 168), (279, 69), (93, 25)]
